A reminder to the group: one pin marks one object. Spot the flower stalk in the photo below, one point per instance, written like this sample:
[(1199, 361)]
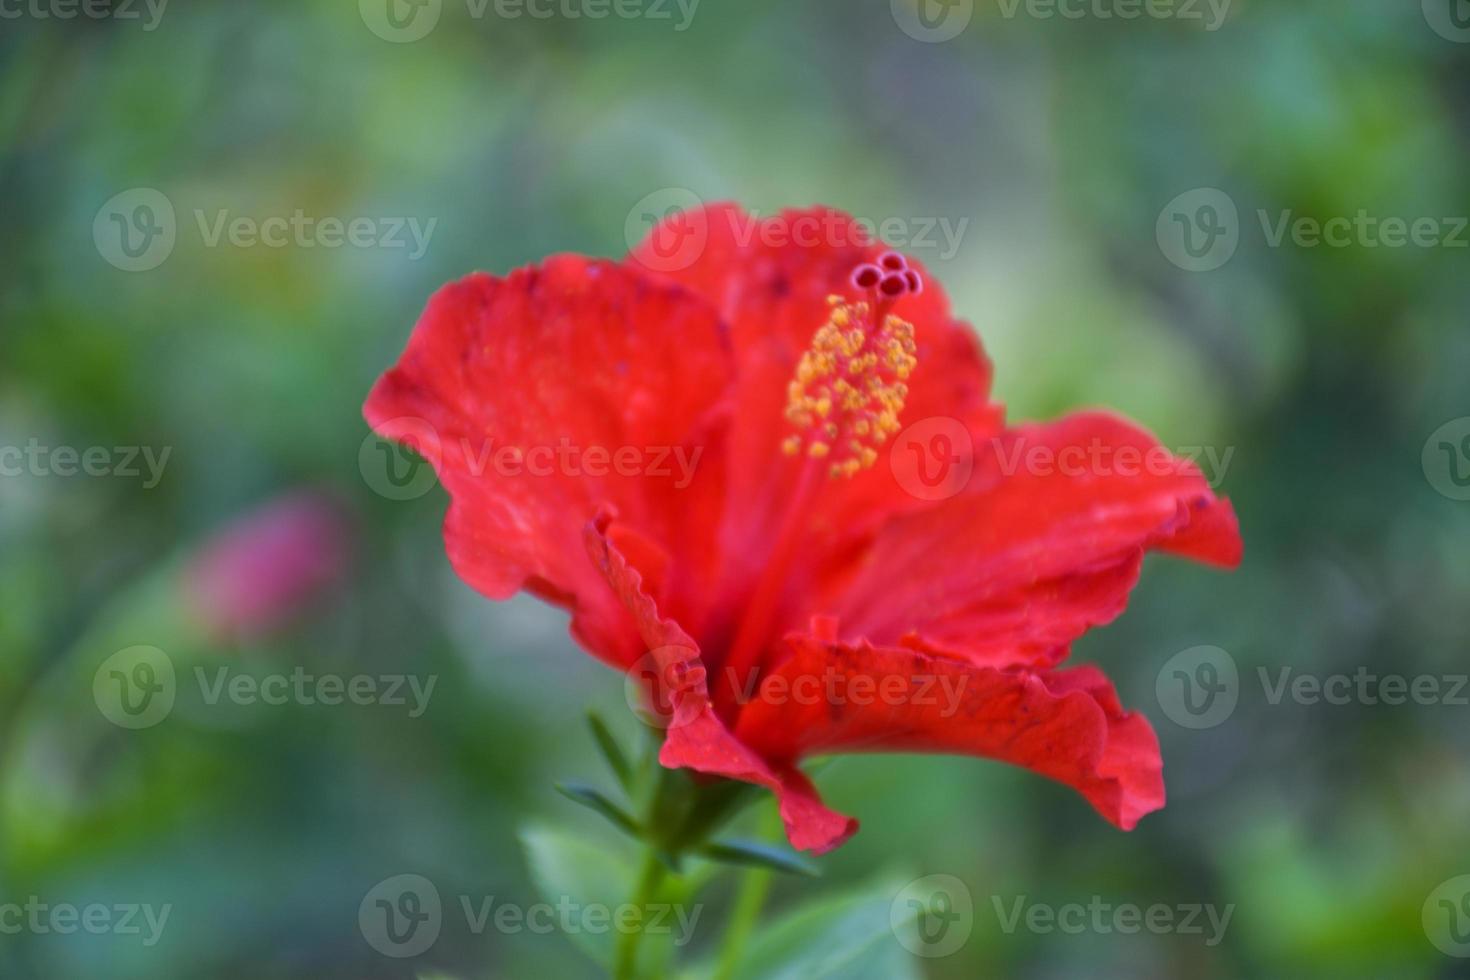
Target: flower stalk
[(645, 894)]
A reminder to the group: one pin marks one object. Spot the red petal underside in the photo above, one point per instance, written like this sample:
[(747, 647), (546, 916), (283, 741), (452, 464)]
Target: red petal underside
[(578, 353), (1040, 548), (1066, 725), (769, 279), (696, 738)]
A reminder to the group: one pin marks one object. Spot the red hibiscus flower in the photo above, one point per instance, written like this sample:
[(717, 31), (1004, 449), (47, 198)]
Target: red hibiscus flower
[(793, 584)]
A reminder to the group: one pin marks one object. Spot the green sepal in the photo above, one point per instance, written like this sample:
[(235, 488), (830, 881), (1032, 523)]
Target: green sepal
[(597, 801)]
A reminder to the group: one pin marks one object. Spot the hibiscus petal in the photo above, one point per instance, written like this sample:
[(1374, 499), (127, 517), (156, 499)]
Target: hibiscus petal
[(1045, 543), (834, 697), (522, 392), (770, 279), (696, 738)]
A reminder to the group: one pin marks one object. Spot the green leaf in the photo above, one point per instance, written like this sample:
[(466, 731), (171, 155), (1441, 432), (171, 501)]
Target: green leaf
[(715, 805), (758, 855), (841, 937), (594, 799), (611, 751), (567, 866)]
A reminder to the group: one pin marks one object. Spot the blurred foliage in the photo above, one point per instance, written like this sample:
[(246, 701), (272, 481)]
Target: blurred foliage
[(1058, 142)]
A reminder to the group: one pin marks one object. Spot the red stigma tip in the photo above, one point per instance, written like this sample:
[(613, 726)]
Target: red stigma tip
[(867, 276), (893, 262), (893, 286), (915, 282)]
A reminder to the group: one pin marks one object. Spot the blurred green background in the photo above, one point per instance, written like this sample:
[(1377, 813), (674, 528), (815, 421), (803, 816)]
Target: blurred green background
[(1057, 144)]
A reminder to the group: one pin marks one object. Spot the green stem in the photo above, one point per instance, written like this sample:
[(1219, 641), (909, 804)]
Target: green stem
[(755, 885), (662, 793), (645, 895), (678, 815)]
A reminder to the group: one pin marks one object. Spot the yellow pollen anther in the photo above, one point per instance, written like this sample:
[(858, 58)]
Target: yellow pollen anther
[(848, 390)]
